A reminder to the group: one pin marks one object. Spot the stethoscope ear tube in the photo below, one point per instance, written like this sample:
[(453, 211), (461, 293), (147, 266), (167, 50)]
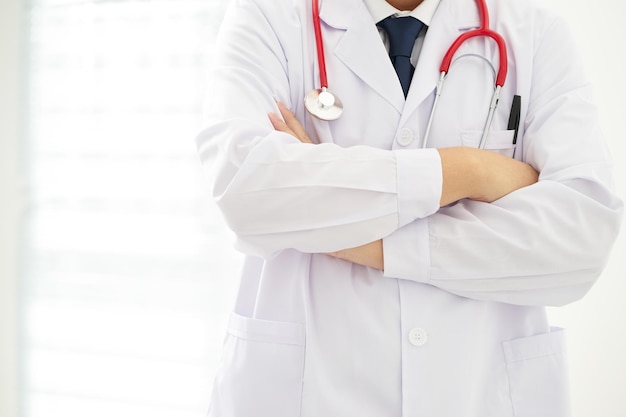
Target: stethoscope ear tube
[(492, 109), (503, 67), (442, 79)]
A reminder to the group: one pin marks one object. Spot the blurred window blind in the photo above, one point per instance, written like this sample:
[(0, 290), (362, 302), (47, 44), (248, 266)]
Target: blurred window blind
[(127, 271)]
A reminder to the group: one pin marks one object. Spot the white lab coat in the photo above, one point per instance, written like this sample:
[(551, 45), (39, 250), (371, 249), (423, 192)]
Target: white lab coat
[(455, 326)]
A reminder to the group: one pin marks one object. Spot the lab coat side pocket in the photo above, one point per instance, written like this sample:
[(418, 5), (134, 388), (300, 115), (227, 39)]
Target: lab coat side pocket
[(538, 376), (500, 141), (262, 369)]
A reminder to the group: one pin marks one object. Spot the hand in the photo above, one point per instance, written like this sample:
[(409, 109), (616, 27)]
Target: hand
[(290, 125), (370, 254), (501, 175), (481, 175)]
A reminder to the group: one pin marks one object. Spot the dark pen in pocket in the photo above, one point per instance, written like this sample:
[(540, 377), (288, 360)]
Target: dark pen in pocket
[(514, 118)]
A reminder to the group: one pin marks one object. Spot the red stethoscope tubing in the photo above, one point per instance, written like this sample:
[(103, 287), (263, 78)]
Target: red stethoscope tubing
[(483, 30), (326, 106), (321, 61)]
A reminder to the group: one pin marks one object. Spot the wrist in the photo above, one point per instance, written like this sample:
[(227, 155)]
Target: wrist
[(477, 175), (462, 172)]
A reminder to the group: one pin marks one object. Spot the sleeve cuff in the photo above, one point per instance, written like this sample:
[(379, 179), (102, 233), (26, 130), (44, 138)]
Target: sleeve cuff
[(407, 252), (419, 183)]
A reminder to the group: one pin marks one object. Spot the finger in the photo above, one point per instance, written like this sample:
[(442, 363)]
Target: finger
[(280, 125), (293, 123)]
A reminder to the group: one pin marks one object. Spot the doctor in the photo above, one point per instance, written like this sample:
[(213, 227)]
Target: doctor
[(387, 279)]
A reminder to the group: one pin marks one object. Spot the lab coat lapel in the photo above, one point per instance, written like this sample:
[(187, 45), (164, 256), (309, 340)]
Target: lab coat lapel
[(361, 49), (450, 20)]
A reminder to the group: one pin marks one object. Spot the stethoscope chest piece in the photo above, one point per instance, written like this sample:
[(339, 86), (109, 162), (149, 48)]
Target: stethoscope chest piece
[(323, 104)]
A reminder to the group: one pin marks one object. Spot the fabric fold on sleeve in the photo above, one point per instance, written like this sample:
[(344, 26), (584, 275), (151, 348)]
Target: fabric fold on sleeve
[(407, 252)]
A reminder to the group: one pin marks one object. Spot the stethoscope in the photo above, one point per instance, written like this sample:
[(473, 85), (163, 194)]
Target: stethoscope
[(325, 105), (320, 102)]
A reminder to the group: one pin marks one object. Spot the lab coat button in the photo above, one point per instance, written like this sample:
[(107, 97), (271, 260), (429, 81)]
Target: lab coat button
[(405, 137), (418, 337)]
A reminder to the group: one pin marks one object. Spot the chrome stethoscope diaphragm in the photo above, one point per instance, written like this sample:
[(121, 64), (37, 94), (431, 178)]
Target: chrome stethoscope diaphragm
[(323, 104)]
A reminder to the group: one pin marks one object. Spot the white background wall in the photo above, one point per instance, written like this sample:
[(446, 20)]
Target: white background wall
[(9, 200), (597, 339)]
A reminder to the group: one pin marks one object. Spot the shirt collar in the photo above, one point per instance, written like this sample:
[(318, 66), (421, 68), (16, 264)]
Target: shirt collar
[(380, 9)]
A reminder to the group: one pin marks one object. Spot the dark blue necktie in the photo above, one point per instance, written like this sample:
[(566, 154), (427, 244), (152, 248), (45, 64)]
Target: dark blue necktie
[(402, 32)]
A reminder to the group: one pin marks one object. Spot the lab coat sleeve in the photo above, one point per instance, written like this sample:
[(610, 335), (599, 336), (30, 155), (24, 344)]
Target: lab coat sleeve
[(542, 245), (276, 193)]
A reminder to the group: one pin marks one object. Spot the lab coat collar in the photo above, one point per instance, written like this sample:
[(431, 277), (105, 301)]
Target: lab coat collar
[(361, 49), (338, 14)]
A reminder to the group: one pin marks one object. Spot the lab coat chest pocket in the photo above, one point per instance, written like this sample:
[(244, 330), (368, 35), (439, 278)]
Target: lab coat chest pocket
[(261, 371), (538, 378), (500, 141)]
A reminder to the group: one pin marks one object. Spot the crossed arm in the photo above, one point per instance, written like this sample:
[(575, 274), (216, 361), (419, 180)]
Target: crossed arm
[(467, 173)]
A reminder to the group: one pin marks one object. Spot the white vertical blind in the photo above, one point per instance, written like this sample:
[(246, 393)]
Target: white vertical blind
[(122, 252)]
